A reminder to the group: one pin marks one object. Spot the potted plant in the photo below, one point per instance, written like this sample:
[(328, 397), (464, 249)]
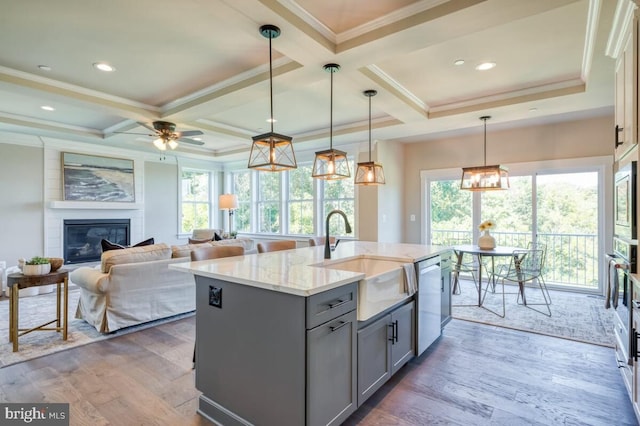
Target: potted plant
[(36, 266)]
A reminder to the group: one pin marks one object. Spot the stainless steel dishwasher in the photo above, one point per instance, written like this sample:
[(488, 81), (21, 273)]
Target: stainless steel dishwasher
[(429, 302)]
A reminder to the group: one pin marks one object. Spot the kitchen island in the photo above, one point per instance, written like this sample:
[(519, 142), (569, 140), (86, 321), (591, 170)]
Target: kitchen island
[(282, 337)]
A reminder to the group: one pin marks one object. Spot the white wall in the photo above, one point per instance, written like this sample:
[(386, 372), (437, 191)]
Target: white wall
[(161, 202), (21, 202)]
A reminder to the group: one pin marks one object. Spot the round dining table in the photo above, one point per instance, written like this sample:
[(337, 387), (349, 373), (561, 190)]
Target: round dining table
[(480, 253)]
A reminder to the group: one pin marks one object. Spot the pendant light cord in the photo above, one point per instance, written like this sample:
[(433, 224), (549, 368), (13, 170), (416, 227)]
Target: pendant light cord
[(271, 82), (369, 128), (331, 114), (485, 118)]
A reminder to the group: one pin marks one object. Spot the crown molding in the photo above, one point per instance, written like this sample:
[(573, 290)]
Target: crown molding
[(621, 27)]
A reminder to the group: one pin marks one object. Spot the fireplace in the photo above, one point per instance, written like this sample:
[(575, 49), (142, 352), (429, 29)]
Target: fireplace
[(81, 237)]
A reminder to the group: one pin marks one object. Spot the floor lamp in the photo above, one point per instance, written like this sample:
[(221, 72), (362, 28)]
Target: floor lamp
[(228, 202)]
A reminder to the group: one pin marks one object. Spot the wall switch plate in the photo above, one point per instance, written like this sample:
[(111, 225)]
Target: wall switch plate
[(412, 218), (215, 296)]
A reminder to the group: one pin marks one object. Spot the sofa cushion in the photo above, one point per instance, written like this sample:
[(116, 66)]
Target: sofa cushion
[(194, 241), (206, 234), (134, 255), (108, 245), (185, 249)]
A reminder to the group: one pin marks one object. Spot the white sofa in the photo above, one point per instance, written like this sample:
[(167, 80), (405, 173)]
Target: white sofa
[(135, 285)]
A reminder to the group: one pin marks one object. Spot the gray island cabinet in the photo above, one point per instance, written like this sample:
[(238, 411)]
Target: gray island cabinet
[(279, 339)]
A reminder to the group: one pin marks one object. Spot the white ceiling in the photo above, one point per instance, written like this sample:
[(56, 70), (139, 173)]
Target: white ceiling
[(204, 65)]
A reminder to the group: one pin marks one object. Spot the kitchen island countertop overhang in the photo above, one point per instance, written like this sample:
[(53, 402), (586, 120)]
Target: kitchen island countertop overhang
[(303, 271)]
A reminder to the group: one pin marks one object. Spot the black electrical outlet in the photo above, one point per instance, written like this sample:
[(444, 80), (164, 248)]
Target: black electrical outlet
[(215, 296)]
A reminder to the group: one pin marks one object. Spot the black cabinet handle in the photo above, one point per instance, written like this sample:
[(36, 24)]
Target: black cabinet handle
[(442, 284), (338, 327), (634, 344), (618, 130), (393, 333), (338, 303), (396, 330)]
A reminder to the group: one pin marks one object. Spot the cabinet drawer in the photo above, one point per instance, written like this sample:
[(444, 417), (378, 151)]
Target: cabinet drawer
[(325, 306)]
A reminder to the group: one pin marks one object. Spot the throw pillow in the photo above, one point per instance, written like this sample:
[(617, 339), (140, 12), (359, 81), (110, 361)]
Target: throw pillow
[(216, 237), (108, 245)]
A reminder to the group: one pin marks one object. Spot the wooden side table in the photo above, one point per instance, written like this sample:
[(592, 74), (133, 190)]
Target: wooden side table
[(19, 281)]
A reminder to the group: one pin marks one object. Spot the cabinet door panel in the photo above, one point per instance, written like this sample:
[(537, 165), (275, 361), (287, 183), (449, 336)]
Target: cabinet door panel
[(331, 375), (374, 357), (404, 346)]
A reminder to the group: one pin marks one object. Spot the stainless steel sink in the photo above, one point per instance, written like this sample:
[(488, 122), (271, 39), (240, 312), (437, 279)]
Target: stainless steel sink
[(382, 287)]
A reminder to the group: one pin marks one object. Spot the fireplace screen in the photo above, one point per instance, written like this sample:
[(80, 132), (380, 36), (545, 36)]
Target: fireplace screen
[(82, 238)]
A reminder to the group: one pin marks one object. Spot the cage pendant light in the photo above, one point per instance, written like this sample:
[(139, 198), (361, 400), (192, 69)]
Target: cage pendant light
[(485, 178), (271, 152), (331, 164), (369, 172)]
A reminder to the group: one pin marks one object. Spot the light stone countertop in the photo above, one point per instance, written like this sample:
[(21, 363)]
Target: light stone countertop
[(293, 271)]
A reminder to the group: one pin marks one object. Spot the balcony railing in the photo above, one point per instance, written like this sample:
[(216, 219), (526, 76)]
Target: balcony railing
[(572, 259)]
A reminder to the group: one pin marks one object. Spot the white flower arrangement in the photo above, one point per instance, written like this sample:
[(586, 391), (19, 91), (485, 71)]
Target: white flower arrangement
[(486, 225)]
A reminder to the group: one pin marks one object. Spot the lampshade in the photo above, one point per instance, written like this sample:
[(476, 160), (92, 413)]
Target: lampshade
[(162, 143), (228, 202), (485, 178), (331, 164), (271, 151), (369, 172)]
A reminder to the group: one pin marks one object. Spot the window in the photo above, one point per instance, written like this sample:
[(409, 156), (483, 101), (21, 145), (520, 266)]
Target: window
[(290, 202), (551, 206), (269, 190), (196, 200), (300, 200), (339, 194), (241, 184)]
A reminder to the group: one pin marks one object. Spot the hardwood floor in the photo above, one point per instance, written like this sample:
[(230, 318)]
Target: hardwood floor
[(473, 375)]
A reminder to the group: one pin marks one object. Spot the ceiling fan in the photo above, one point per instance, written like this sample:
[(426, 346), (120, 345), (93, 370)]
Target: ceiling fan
[(167, 136)]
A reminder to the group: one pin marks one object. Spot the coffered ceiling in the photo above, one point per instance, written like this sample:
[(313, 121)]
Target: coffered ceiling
[(203, 65)]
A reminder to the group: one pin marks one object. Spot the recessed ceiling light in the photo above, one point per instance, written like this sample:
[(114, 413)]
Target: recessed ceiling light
[(485, 66), (44, 67), (103, 66), (459, 62), (47, 108), (197, 139), (533, 109)]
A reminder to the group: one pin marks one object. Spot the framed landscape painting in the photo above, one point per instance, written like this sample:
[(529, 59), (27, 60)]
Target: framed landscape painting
[(94, 178)]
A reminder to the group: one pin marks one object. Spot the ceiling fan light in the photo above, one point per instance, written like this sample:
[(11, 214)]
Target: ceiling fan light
[(331, 164), (173, 144), (159, 143)]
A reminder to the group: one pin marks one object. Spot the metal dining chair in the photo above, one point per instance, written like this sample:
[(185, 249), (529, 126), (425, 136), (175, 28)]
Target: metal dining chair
[(525, 269)]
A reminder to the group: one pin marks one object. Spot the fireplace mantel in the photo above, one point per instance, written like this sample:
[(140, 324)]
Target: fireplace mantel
[(94, 205)]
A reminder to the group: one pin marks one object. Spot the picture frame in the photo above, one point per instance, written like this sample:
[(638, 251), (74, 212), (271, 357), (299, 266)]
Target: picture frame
[(96, 178)]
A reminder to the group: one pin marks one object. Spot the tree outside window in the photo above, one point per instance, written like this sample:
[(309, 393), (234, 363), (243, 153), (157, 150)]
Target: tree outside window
[(339, 194), (242, 188), (300, 200), (269, 190), (196, 200)]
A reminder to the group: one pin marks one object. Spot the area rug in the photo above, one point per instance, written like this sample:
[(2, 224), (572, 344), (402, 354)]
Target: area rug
[(574, 316), (36, 310)]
